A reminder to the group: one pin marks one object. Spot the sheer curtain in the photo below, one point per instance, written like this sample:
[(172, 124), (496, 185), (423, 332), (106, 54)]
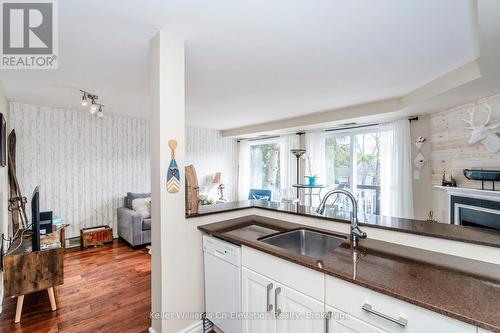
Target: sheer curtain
[(288, 161), (315, 150), (243, 170), (396, 193)]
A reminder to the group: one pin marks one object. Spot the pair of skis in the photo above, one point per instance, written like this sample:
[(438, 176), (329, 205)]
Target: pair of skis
[(17, 203)]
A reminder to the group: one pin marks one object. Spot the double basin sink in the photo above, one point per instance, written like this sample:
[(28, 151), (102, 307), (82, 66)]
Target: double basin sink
[(305, 242)]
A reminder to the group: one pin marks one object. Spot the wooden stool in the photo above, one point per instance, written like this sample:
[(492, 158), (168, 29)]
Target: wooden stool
[(20, 301)]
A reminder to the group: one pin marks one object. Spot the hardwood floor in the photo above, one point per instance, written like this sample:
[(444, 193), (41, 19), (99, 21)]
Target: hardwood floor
[(105, 289)]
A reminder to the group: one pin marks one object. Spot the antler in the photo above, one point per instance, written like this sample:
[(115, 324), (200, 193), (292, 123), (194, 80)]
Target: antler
[(487, 109), (471, 114)]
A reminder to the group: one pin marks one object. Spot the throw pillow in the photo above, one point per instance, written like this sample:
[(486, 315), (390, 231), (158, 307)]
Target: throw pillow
[(142, 206)]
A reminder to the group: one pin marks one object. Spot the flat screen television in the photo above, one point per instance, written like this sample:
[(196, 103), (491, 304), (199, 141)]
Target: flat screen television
[(35, 220)]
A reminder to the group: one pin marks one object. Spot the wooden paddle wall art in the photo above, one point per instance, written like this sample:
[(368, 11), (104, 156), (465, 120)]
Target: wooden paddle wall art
[(173, 175)]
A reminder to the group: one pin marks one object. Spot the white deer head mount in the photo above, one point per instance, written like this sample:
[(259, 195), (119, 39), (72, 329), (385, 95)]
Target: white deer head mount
[(483, 133)]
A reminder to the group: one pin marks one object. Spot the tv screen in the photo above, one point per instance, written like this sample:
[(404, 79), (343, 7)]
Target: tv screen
[(35, 220)]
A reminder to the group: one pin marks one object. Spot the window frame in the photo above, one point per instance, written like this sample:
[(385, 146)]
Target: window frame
[(266, 141), (352, 132)]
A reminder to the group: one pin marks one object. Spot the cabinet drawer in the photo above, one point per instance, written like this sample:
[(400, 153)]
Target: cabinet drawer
[(300, 278), (350, 298)]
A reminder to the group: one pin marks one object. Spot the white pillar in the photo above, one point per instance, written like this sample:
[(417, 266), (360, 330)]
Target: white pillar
[(167, 74)]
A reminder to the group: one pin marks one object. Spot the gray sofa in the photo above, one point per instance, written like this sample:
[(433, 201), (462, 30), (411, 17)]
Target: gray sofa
[(132, 227)]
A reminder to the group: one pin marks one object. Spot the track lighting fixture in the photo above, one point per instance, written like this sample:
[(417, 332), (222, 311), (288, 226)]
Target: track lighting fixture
[(94, 106)]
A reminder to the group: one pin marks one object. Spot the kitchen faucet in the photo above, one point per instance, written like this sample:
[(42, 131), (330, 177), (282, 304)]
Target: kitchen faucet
[(356, 232)]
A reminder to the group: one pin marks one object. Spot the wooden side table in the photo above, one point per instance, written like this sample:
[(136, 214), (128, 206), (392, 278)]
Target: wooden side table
[(27, 272)]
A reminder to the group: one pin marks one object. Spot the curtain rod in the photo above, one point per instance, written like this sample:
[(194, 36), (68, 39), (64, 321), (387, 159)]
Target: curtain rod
[(269, 137), (362, 126), (327, 130)]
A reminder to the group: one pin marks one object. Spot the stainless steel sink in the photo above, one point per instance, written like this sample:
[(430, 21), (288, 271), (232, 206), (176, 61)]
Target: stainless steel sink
[(305, 242)]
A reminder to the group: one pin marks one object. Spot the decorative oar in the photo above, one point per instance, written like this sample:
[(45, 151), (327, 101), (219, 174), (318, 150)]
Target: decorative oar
[(173, 175)]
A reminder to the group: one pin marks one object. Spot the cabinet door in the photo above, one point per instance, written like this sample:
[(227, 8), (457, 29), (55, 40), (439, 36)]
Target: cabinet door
[(298, 313), (340, 322), (257, 303)]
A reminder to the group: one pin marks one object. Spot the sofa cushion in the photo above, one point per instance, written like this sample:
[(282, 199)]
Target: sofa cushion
[(131, 196), (146, 224), (142, 206)]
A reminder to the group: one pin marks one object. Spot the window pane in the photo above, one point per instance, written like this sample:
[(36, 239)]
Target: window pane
[(265, 167), (368, 173), (338, 161)]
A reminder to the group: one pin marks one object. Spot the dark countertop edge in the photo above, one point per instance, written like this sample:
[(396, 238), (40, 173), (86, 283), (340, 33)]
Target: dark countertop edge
[(460, 317), (369, 225)]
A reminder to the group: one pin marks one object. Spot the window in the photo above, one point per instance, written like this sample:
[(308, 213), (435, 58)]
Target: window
[(353, 162), (265, 168)]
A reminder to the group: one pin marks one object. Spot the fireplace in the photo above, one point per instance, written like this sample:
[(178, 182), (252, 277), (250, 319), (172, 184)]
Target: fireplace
[(475, 212)]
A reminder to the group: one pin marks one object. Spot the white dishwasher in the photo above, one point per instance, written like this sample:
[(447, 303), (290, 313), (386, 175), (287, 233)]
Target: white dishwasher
[(222, 261)]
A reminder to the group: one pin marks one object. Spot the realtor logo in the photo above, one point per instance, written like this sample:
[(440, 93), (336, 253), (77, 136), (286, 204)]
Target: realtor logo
[(29, 34)]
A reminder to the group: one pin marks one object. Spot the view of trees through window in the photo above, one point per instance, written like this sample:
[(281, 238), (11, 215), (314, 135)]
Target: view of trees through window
[(353, 162), (265, 167)]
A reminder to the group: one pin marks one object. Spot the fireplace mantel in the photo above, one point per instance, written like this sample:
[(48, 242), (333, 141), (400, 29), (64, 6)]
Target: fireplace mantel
[(470, 192)]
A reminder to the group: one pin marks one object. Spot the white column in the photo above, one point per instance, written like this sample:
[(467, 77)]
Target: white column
[(167, 209)]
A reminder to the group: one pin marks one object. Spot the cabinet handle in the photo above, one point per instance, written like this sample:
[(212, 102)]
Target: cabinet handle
[(269, 306), (277, 312), (400, 321), (327, 321)]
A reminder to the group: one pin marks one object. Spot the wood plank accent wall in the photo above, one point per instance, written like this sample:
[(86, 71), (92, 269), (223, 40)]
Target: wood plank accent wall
[(209, 152), (83, 164), (450, 150)]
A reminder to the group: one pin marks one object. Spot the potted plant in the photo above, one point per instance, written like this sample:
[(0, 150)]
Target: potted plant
[(312, 178)]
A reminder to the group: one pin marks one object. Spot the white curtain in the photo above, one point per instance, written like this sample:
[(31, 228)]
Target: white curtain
[(244, 170), (315, 150), (288, 161), (396, 197)]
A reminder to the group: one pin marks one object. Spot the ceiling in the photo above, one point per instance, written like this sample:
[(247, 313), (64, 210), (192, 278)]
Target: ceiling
[(250, 62)]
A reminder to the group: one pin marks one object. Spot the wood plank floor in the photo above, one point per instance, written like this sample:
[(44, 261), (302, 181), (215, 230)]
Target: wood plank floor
[(106, 289)]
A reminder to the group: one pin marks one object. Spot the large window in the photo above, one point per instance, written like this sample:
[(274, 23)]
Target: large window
[(353, 162), (265, 167)]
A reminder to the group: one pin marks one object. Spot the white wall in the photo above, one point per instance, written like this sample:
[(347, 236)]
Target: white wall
[(422, 187), (4, 185), (83, 164), (173, 280), (4, 172), (209, 152)]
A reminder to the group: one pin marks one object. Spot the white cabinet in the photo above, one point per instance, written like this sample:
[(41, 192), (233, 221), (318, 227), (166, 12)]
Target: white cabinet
[(387, 313), (272, 307), (340, 322), (257, 303), (482, 330), (281, 297), (309, 312)]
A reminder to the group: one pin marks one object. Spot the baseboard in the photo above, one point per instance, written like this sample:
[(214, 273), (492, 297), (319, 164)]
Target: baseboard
[(195, 328)]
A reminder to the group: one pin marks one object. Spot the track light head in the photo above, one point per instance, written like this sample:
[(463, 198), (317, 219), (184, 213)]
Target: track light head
[(93, 108), (85, 101), (99, 113)]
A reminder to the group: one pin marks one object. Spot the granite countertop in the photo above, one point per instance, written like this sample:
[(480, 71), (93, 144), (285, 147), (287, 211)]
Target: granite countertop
[(418, 227), (464, 289)]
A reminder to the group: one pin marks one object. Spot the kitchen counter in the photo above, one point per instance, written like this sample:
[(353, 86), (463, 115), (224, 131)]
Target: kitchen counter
[(459, 288), (423, 228)]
